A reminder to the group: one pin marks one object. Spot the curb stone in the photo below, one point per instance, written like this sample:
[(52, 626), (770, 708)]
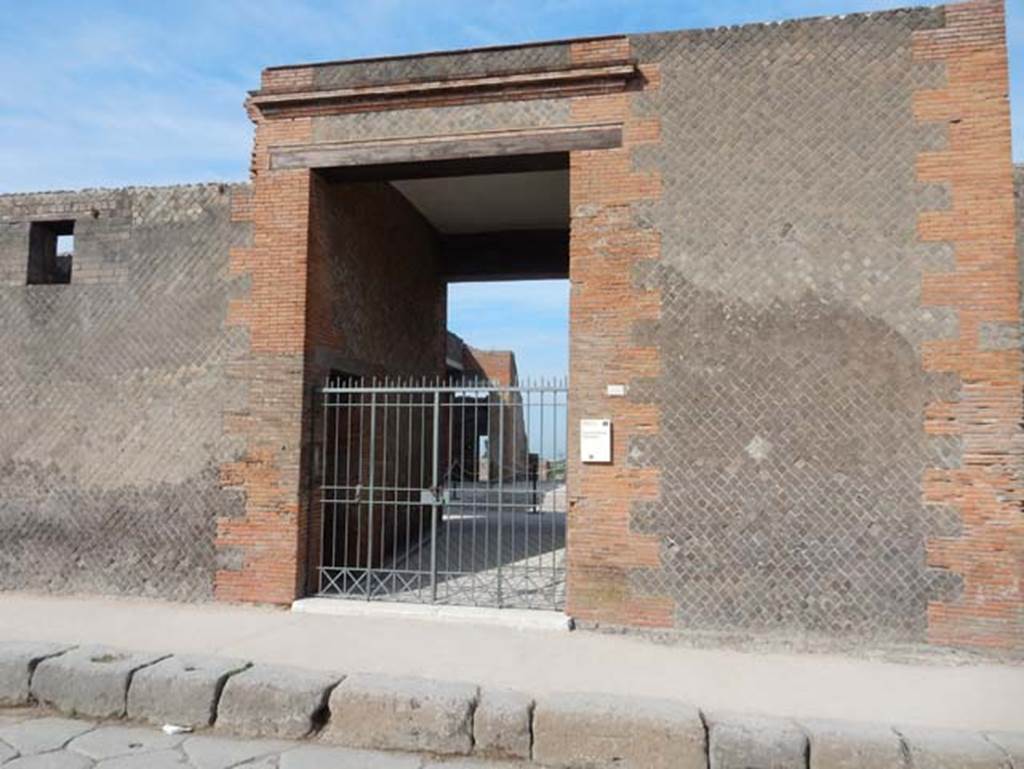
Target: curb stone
[(949, 749), (89, 680), (275, 701), (181, 690), (842, 745), (751, 742), (502, 724), (593, 730), (401, 713), (18, 661), (563, 731)]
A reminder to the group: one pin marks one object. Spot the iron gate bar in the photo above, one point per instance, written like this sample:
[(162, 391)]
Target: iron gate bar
[(433, 506), (482, 494)]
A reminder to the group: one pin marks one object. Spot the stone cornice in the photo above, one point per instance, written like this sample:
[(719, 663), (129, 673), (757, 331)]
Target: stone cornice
[(551, 83)]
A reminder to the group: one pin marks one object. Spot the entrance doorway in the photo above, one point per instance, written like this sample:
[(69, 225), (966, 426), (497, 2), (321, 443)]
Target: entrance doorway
[(450, 486)]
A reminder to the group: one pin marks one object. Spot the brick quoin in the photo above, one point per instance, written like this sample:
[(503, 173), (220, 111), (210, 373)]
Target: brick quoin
[(605, 309), (983, 289), (262, 553)]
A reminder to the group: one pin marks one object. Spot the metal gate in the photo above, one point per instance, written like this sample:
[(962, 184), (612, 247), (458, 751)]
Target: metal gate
[(449, 494)]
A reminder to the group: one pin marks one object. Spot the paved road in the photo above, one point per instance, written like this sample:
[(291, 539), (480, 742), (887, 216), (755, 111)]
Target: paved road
[(30, 740), (938, 690)]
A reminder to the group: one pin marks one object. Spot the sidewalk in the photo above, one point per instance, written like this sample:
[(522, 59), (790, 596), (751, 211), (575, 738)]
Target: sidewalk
[(946, 692)]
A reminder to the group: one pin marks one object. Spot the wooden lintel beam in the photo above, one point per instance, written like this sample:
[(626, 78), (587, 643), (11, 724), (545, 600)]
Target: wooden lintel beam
[(492, 144)]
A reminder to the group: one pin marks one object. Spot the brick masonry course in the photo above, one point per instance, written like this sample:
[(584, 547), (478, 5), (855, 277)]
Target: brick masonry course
[(986, 550), (413, 718)]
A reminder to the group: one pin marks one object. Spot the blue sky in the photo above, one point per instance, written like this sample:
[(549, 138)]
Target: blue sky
[(114, 93)]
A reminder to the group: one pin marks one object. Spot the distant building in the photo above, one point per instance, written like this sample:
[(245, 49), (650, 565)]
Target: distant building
[(496, 418)]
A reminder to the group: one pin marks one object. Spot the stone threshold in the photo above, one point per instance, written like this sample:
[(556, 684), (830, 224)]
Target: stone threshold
[(518, 619)]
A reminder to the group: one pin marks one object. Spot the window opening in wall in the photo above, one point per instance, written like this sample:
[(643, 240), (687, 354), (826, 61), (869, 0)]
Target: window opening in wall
[(51, 252)]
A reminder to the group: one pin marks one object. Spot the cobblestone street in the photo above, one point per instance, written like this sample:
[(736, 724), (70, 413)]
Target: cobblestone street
[(33, 740)]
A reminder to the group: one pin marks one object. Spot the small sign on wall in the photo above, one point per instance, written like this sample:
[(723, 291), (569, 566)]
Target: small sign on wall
[(596, 440)]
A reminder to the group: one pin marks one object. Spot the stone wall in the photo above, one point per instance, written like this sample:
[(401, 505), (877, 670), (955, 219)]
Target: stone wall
[(791, 390), (824, 469), (112, 392)]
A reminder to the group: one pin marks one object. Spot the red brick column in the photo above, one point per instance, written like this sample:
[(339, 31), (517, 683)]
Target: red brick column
[(262, 553), (606, 307), (983, 289)]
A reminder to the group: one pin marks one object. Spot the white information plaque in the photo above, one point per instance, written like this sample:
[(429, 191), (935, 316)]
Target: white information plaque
[(596, 440)]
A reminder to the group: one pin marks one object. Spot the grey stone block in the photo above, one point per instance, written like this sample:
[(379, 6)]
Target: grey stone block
[(267, 762), (9, 718), (595, 730), (18, 661), (160, 759), (951, 749), (476, 763), (51, 761), (749, 742), (320, 757), (396, 713), (89, 680), (274, 701), (206, 752), (112, 741), (180, 690), (42, 734), (501, 724), (843, 745), (1012, 743)]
